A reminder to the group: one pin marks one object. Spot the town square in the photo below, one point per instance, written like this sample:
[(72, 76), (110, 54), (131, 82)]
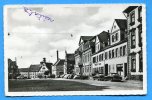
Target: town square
[(59, 55)]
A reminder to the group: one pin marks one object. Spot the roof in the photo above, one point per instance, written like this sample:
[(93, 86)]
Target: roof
[(103, 36), (70, 57), (60, 62), (49, 65), (129, 9), (122, 23), (23, 69), (85, 38), (34, 68)]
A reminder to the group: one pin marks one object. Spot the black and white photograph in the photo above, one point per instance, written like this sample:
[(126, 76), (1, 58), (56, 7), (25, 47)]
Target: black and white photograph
[(75, 49)]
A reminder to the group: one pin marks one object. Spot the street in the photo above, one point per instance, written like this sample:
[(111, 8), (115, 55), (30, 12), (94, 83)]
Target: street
[(59, 84)]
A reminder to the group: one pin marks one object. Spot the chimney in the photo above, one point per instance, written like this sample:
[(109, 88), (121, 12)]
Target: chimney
[(57, 53), (108, 31), (44, 60)]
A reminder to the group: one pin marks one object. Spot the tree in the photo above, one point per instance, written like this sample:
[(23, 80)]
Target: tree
[(46, 72)]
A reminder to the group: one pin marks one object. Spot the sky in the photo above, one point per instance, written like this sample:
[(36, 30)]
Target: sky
[(29, 39)]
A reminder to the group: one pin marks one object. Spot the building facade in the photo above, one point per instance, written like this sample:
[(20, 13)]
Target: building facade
[(24, 72), (58, 67), (34, 71), (112, 57), (13, 71), (83, 56), (69, 63), (135, 51)]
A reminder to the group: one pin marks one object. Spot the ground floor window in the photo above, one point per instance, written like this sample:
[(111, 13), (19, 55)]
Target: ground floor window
[(119, 68), (133, 63)]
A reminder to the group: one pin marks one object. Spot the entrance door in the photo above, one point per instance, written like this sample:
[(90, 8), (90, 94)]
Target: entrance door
[(125, 69), (106, 69)]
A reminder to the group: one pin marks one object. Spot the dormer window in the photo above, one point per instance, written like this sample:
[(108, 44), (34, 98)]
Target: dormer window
[(132, 18), (140, 14)]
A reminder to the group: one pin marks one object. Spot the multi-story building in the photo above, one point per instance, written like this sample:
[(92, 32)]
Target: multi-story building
[(34, 71), (69, 63), (134, 27), (101, 41), (24, 72), (58, 67), (111, 54), (13, 71), (83, 56)]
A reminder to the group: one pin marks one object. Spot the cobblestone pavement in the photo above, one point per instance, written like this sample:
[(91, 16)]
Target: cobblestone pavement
[(125, 85)]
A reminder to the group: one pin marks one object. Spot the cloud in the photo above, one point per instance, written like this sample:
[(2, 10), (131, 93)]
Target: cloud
[(34, 39), (58, 11), (31, 31)]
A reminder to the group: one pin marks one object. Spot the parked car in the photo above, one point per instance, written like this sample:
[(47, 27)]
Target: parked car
[(113, 77), (116, 77), (70, 76), (66, 76), (77, 77), (62, 75), (20, 77), (99, 77)]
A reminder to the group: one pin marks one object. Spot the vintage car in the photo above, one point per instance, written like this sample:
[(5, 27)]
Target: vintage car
[(99, 77), (113, 77)]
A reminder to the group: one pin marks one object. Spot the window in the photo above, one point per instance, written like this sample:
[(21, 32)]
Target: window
[(140, 13), (132, 18), (105, 55), (133, 39), (120, 51), (116, 52), (113, 38), (140, 62), (109, 54), (116, 36), (94, 59), (113, 53), (100, 57), (124, 50), (97, 59), (140, 33), (133, 63)]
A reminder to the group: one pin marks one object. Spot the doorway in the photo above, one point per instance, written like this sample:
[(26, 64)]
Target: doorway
[(106, 69)]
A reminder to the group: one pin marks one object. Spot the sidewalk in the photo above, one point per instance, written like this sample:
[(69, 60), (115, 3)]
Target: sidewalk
[(126, 85)]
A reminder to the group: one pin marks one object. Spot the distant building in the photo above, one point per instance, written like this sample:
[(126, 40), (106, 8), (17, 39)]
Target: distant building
[(24, 72), (13, 71), (83, 56), (135, 41), (34, 71), (69, 63), (58, 67), (48, 66)]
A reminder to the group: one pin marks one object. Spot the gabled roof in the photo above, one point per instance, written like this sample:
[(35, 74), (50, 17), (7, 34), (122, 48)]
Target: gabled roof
[(85, 38), (49, 65), (122, 23), (23, 69), (129, 9), (60, 62), (70, 57), (34, 68), (103, 37)]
